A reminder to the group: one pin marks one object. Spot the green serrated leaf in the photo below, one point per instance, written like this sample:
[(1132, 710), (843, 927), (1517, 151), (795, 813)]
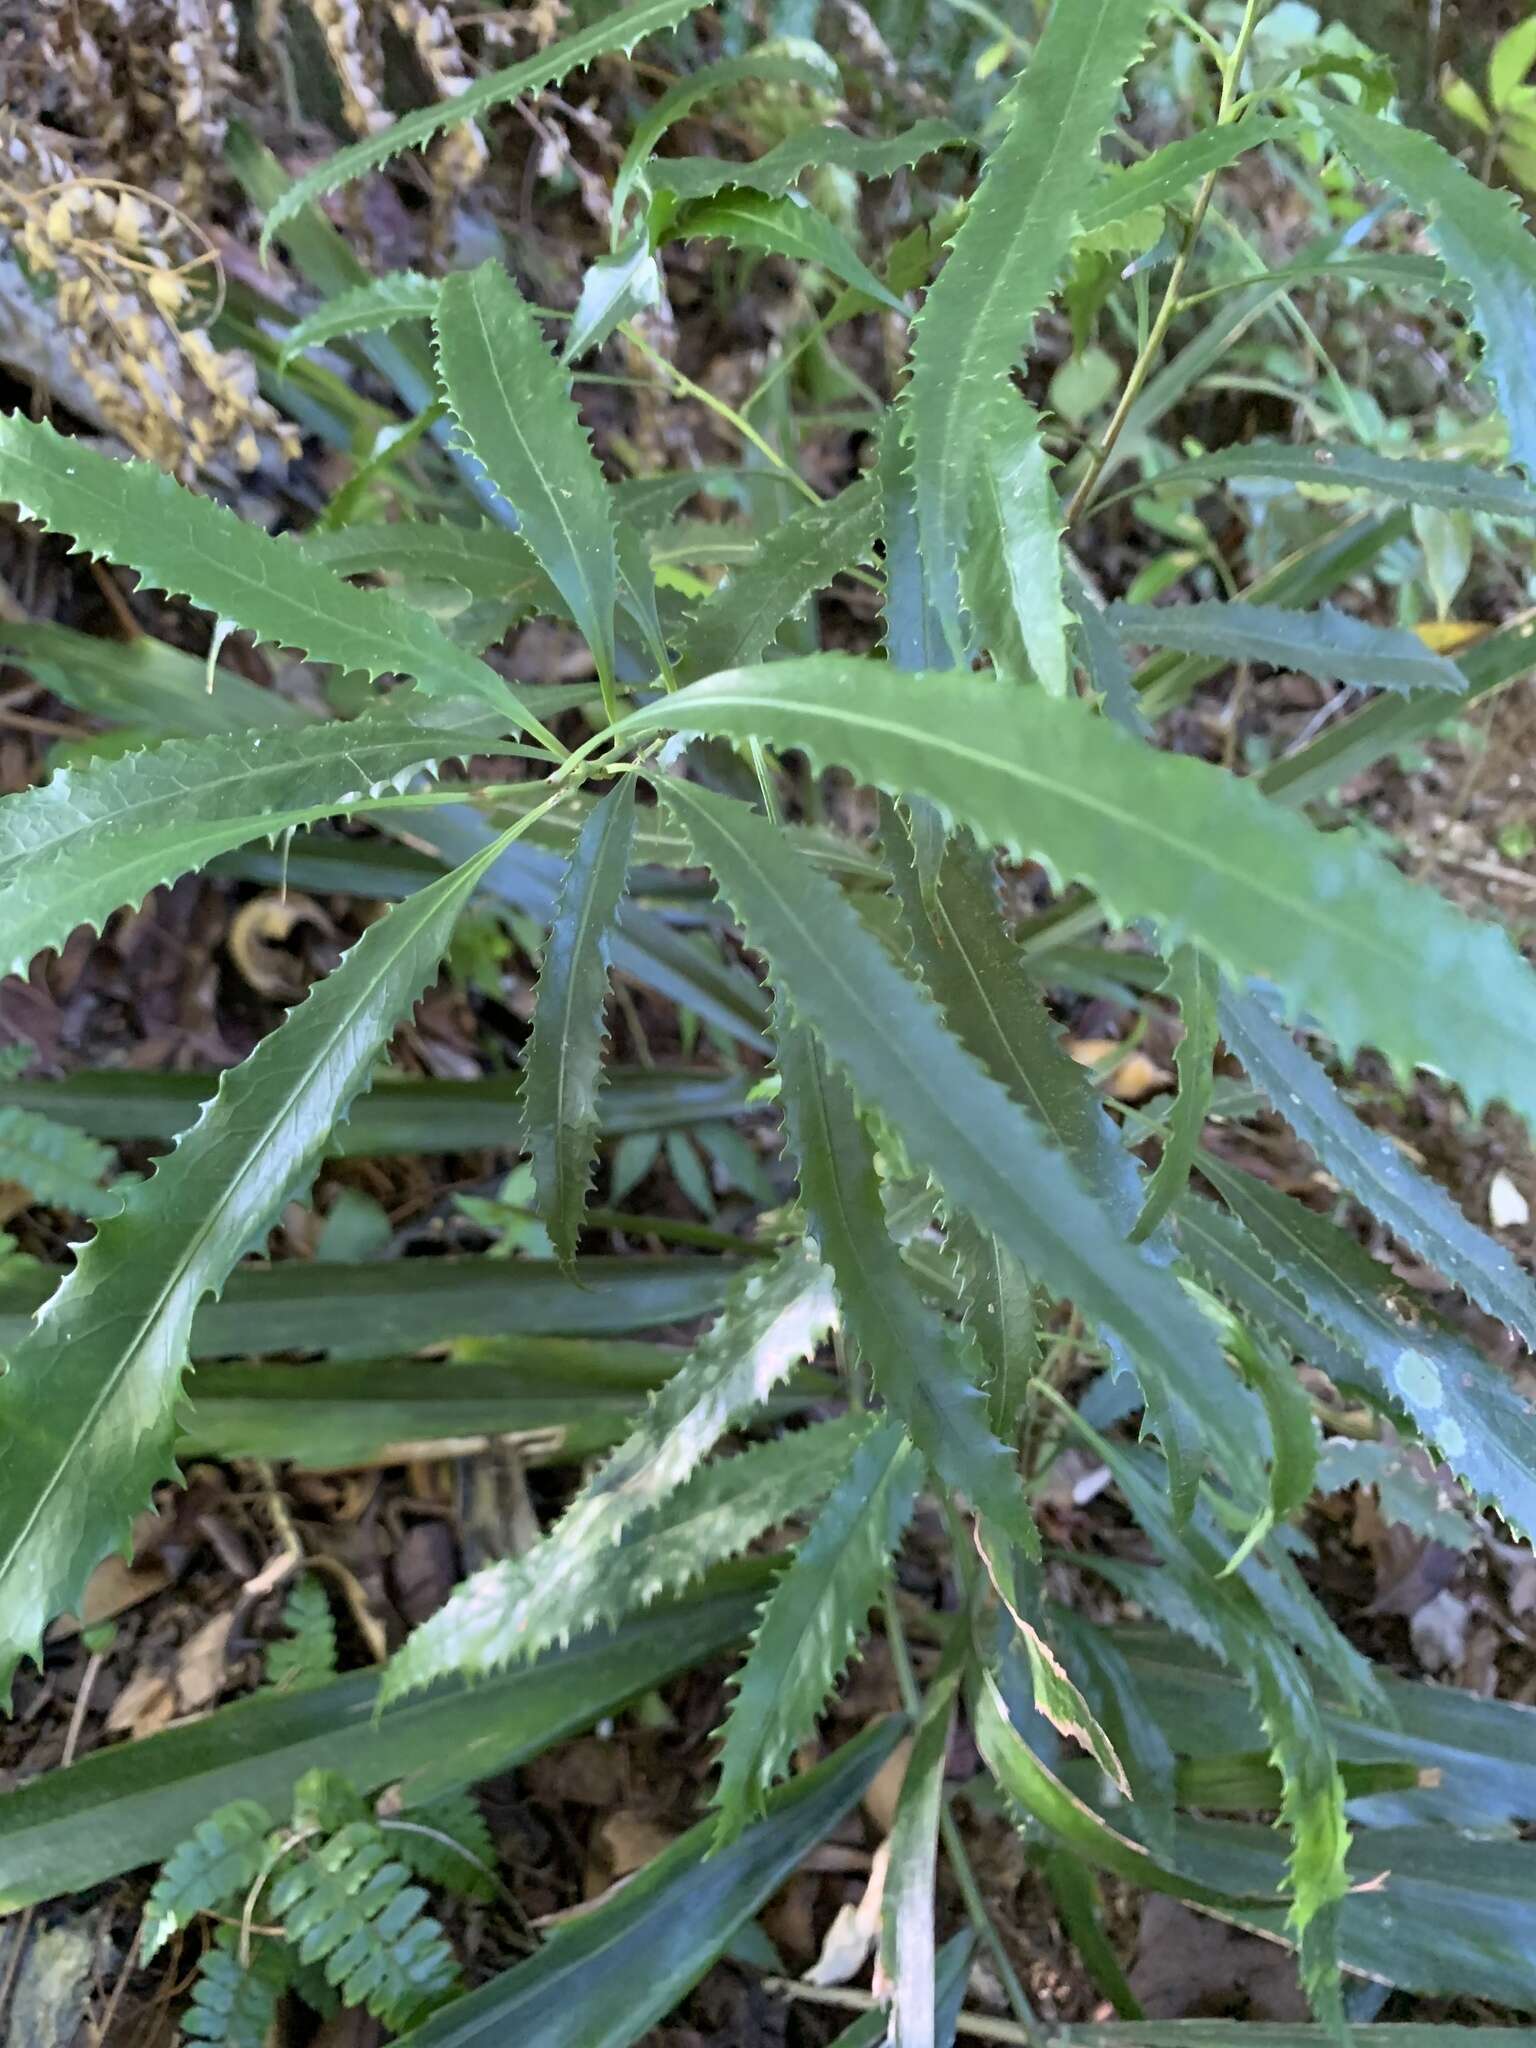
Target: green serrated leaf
[(1372, 1168), (215, 1866), (1482, 236), (1004, 262), (486, 561), (55, 1163), (1325, 643), (190, 547), (1193, 983), (1334, 926), (1011, 575), (614, 288), (563, 1069), (371, 308), (787, 225), (87, 1407), (812, 1623), (802, 555), (513, 403), (999, 1300), (618, 31), (94, 839), (1449, 486), (775, 1316), (1463, 1405), (1167, 174), (811, 149), (986, 1153)]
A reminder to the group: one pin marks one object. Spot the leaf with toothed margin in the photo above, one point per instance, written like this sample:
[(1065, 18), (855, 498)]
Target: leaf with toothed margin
[(381, 303), (1325, 642), (812, 1623), (958, 1124), (512, 401), (618, 30), (101, 836), (1011, 575), (1124, 191), (1458, 1401), (1004, 263), (802, 555), (828, 147), (1482, 236), (1373, 1169), (1194, 984), (925, 1370), (563, 1070), (187, 546), (88, 1400), (787, 225), (1322, 916), (774, 1317), (715, 1514)]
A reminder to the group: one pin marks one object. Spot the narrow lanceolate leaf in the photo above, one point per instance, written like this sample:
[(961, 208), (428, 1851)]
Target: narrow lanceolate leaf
[(1323, 917), (1004, 262), (813, 1621), (564, 1068), (1194, 985), (926, 1371), (907, 1942), (829, 147), (803, 555), (367, 309), (1011, 574), (607, 1977), (999, 1302), (774, 1318), (785, 226), (1169, 173), (187, 546), (87, 1406), (1460, 1403), (513, 402), (1372, 1168), (1325, 643), (1449, 486), (95, 838), (1483, 238), (959, 1124), (619, 29)]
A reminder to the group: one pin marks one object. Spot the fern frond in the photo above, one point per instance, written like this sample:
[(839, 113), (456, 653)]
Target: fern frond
[(447, 1843), (234, 2004), (307, 1654), (55, 1163), (217, 1864)]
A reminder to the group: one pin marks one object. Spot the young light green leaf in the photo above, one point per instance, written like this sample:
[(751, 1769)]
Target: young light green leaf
[(369, 308), (619, 30), (925, 1370), (810, 149), (813, 1621), (1463, 1405), (190, 547), (87, 1405), (1372, 1168), (513, 403), (614, 288), (804, 554), (1449, 486), (957, 1121), (1011, 575), (1483, 237), (1004, 262), (784, 226), (1325, 643), (1194, 984), (784, 64), (55, 1163), (564, 1064), (775, 1316), (1334, 926), (93, 839)]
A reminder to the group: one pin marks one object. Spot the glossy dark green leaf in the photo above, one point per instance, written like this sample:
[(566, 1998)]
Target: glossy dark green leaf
[(605, 1978)]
